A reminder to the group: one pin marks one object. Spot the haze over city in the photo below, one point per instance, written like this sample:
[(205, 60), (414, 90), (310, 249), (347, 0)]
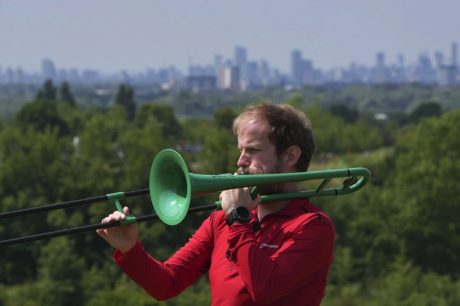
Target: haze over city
[(110, 36)]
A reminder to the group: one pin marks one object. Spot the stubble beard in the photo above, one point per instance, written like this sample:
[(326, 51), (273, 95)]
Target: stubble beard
[(266, 189)]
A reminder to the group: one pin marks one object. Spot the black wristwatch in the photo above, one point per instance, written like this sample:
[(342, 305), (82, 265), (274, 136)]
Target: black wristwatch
[(241, 214)]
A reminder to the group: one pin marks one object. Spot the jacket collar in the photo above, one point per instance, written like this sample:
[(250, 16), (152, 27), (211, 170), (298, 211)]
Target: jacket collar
[(293, 208)]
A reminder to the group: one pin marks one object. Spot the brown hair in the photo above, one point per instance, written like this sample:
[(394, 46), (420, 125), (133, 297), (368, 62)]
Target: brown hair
[(287, 126)]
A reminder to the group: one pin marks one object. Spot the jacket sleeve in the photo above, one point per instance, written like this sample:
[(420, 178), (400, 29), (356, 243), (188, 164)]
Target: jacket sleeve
[(168, 279), (305, 255)]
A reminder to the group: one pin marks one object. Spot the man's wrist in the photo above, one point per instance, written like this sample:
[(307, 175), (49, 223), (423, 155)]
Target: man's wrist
[(238, 215)]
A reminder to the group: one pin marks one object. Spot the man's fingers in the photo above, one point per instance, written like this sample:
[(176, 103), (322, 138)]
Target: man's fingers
[(115, 216)]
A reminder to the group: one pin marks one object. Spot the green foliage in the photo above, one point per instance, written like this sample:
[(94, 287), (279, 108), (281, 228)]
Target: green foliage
[(393, 99), (163, 116), (65, 94), (429, 109), (397, 239), (47, 93), (60, 274), (334, 135), (428, 163), (223, 118), (296, 101), (32, 166), (403, 285), (219, 152), (125, 99), (344, 112), (40, 116), (127, 293)]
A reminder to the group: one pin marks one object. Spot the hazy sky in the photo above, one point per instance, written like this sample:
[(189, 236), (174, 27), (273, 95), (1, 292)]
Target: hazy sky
[(112, 35)]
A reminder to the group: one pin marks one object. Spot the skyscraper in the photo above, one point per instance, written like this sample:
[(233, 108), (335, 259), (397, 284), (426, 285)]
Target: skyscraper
[(48, 69), (241, 62), (454, 50), (296, 66), (241, 56)]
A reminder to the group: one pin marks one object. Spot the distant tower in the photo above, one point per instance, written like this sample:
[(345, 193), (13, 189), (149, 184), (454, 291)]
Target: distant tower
[(229, 77), (380, 72), (241, 62), (380, 60), (218, 63), (296, 66), (48, 69), (241, 56), (401, 61), (454, 51), (439, 57)]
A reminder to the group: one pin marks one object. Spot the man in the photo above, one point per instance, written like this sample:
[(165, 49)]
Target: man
[(274, 253)]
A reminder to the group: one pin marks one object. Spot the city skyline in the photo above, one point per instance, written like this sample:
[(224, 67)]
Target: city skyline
[(139, 35), (379, 58), (241, 72)]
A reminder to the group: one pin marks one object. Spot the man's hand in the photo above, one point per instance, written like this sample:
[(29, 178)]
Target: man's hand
[(233, 198), (122, 237)]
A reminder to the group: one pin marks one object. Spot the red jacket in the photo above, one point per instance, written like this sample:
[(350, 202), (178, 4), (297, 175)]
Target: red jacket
[(283, 260)]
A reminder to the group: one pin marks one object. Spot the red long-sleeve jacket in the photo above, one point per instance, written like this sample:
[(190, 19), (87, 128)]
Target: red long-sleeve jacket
[(283, 260)]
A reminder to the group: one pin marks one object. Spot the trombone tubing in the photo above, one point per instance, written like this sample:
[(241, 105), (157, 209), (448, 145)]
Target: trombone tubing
[(352, 184), (32, 210), (91, 227)]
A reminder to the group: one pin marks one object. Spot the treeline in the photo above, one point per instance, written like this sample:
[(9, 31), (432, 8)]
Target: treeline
[(393, 99), (398, 239)]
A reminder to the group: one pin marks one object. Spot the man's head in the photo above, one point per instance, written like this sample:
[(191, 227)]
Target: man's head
[(286, 128)]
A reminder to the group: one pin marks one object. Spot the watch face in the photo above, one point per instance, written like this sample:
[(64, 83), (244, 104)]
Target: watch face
[(243, 214), (240, 213)]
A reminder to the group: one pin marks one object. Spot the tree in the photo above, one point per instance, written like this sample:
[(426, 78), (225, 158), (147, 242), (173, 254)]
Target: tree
[(223, 118), (65, 94), (296, 101), (41, 115), (426, 188), (347, 114), (219, 154), (31, 173), (47, 93), (60, 274), (425, 110), (164, 117), (125, 99)]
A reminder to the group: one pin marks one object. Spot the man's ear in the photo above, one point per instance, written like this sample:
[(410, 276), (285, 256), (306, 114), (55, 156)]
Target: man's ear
[(291, 155)]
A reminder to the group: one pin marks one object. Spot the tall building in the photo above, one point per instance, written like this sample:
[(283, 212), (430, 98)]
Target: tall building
[(241, 56), (296, 67), (302, 71), (448, 73), (48, 69), (424, 72), (401, 61), (380, 60), (380, 72), (241, 61), (439, 58), (229, 78), (218, 63), (454, 50)]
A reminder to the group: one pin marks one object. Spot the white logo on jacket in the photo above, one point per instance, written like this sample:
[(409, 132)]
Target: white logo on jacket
[(270, 246)]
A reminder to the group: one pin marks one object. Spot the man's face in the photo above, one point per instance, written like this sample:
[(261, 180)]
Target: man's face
[(257, 153)]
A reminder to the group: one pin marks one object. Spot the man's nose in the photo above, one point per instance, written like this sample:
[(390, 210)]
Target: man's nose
[(244, 160)]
